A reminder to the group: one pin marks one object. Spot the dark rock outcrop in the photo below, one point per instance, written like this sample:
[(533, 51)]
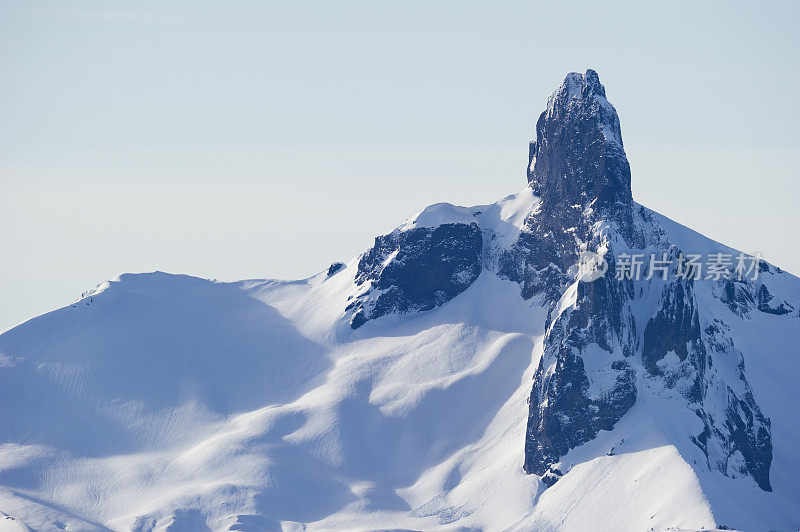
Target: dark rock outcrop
[(577, 162), (416, 270), (736, 295), (594, 352), (579, 169), (563, 412), (737, 437), (335, 268), (675, 327), (766, 302)]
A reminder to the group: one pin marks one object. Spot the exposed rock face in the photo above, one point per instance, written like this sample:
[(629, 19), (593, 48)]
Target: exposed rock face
[(579, 168), (335, 268), (568, 405), (586, 380), (738, 297), (416, 270), (736, 436), (577, 165), (595, 354), (577, 162), (767, 302), (675, 327)]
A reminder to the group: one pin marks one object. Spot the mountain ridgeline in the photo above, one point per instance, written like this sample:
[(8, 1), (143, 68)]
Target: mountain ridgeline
[(623, 329), (505, 366)]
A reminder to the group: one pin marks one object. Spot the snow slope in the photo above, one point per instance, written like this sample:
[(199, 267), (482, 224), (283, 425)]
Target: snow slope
[(370, 439), (168, 402)]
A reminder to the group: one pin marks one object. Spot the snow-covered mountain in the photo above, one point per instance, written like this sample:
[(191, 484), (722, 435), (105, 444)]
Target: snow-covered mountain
[(502, 366)]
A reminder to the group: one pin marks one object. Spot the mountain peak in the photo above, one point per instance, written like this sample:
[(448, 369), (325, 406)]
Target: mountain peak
[(578, 157), (583, 85)]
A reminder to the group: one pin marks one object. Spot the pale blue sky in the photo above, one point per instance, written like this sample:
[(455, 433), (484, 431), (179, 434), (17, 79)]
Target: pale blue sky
[(255, 139)]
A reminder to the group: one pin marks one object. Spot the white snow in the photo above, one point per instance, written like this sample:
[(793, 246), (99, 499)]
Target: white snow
[(170, 402), (438, 214)]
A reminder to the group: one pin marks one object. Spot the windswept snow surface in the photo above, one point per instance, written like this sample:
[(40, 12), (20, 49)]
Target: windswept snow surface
[(164, 398), (168, 402)]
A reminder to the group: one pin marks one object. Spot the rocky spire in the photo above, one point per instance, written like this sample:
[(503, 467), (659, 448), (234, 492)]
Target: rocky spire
[(577, 161), (579, 169)]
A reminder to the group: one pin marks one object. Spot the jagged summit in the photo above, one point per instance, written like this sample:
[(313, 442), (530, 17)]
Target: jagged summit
[(583, 85), (578, 157)]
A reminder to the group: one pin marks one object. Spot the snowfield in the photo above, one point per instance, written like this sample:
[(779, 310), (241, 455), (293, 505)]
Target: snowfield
[(168, 402)]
